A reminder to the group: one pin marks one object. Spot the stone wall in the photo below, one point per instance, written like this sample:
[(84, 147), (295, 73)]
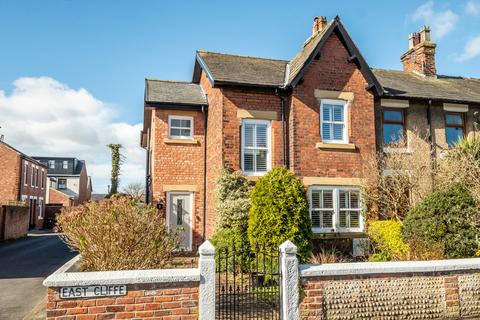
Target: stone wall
[(13, 222), (448, 289)]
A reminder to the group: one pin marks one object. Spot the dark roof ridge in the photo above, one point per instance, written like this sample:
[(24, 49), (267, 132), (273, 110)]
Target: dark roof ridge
[(242, 56), (422, 77), (171, 81)]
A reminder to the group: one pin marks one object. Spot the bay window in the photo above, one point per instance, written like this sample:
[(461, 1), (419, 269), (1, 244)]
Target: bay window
[(256, 148), (333, 122), (335, 209)]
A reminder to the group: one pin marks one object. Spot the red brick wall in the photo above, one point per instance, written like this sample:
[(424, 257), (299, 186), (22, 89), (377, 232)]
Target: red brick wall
[(143, 301), (330, 72), (14, 222), (56, 196), (9, 174), (179, 164), (83, 191)]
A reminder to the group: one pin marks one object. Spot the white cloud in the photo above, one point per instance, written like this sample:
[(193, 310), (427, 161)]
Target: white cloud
[(43, 117), (472, 8), (441, 22), (471, 50)]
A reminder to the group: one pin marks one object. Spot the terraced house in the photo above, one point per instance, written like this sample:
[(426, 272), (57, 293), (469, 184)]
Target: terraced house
[(321, 114)]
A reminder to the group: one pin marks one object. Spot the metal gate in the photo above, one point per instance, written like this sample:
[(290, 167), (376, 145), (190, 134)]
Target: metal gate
[(248, 283)]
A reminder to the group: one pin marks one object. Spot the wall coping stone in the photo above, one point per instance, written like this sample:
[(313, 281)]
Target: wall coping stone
[(365, 268), (64, 278)]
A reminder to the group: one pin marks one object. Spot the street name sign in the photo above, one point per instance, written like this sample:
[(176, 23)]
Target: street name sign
[(93, 291)]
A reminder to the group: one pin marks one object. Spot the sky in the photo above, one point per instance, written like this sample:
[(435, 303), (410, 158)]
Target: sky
[(72, 71)]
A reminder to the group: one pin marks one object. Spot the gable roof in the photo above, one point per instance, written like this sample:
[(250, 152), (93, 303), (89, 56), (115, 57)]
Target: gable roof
[(174, 92), (22, 155), (297, 66), (402, 84), (231, 69)]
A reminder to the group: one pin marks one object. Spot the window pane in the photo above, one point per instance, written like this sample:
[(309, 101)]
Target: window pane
[(343, 199), (185, 123), (327, 112), (248, 160), (343, 219), (338, 113), (392, 133), (354, 219), (337, 131), (261, 136), (175, 123), (327, 217), (354, 200), (185, 132), (327, 199), (316, 219), (453, 135), (179, 212), (326, 131), (454, 119), (248, 134), (261, 157), (316, 199), (393, 115), (175, 132)]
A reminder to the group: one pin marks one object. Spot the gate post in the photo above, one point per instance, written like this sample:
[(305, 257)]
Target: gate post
[(289, 281), (206, 266)]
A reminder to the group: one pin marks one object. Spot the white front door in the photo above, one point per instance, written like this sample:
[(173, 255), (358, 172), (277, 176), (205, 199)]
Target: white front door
[(179, 216)]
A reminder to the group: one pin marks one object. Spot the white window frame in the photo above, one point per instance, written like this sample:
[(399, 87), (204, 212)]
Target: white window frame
[(345, 105), (32, 181), (268, 148), (42, 182), (25, 174), (51, 164), (174, 117), (40, 206), (192, 204), (65, 164), (336, 209)]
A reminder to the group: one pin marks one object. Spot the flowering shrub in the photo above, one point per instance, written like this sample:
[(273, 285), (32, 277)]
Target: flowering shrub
[(117, 234), (387, 240)]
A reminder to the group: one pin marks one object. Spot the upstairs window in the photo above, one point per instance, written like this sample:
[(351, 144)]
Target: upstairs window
[(255, 147), (25, 174), (335, 209), (180, 127), (32, 177), (62, 184), (333, 121), (51, 164), (65, 164), (393, 126), (43, 179), (454, 127)]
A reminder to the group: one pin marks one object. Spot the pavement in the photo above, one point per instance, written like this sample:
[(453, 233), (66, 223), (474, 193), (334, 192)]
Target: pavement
[(24, 264)]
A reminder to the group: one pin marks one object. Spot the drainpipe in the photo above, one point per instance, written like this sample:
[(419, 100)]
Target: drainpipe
[(431, 138), (147, 170), (205, 115)]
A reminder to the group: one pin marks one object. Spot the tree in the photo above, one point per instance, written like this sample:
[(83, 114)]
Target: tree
[(279, 212), (116, 163), (136, 191)]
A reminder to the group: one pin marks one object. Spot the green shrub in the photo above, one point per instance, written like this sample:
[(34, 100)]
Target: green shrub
[(386, 237), (450, 218), (279, 212), (117, 234)]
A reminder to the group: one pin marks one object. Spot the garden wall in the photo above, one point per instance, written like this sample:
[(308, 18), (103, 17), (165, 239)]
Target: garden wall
[(14, 221), (442, 289)]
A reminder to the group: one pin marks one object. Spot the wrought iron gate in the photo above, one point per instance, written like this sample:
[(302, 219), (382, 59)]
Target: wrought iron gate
[(248, 283)]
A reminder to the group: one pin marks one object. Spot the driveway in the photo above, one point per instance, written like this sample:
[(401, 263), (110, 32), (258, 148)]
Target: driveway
[(24, 264)]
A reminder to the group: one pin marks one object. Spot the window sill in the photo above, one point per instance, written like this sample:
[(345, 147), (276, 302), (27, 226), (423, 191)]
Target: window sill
[(180, 141), (397, 150), (341, 146)]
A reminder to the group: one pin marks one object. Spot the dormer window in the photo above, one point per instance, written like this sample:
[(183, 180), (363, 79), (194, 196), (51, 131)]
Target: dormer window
[(51, 164), (65, 164), (180, 127), (333, 123)]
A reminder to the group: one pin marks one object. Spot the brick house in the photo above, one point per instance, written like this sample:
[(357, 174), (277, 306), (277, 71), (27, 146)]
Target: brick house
[(23, 178), (320, 114), (69, 184)]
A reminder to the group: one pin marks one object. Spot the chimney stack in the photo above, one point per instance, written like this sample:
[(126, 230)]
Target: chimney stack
[(420, 57), (319, 23)]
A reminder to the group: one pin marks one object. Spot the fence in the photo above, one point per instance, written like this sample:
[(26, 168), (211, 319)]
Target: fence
[(446, 289)]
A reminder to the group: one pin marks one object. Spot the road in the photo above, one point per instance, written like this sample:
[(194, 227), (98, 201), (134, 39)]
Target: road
[(24, 264)]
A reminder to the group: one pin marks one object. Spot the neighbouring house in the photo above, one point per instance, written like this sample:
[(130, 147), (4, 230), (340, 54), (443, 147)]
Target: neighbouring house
[(23, 179), (320, 114), (69, 183)]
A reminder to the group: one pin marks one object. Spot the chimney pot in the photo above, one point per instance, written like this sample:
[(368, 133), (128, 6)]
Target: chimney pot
[(425, 34), (319, 23)]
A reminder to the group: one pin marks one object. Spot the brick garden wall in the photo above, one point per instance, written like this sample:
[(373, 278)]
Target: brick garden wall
[(13, 222), (143, 301), (448, 295)]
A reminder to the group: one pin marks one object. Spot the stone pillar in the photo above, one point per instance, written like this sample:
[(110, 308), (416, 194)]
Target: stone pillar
[(206, 265), (289, 277)]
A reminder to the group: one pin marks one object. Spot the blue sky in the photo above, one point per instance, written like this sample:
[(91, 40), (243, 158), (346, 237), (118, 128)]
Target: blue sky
[(99, 52)]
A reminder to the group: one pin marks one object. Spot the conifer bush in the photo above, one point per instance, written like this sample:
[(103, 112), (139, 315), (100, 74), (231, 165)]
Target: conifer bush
[(279, 212), (449, 218)]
